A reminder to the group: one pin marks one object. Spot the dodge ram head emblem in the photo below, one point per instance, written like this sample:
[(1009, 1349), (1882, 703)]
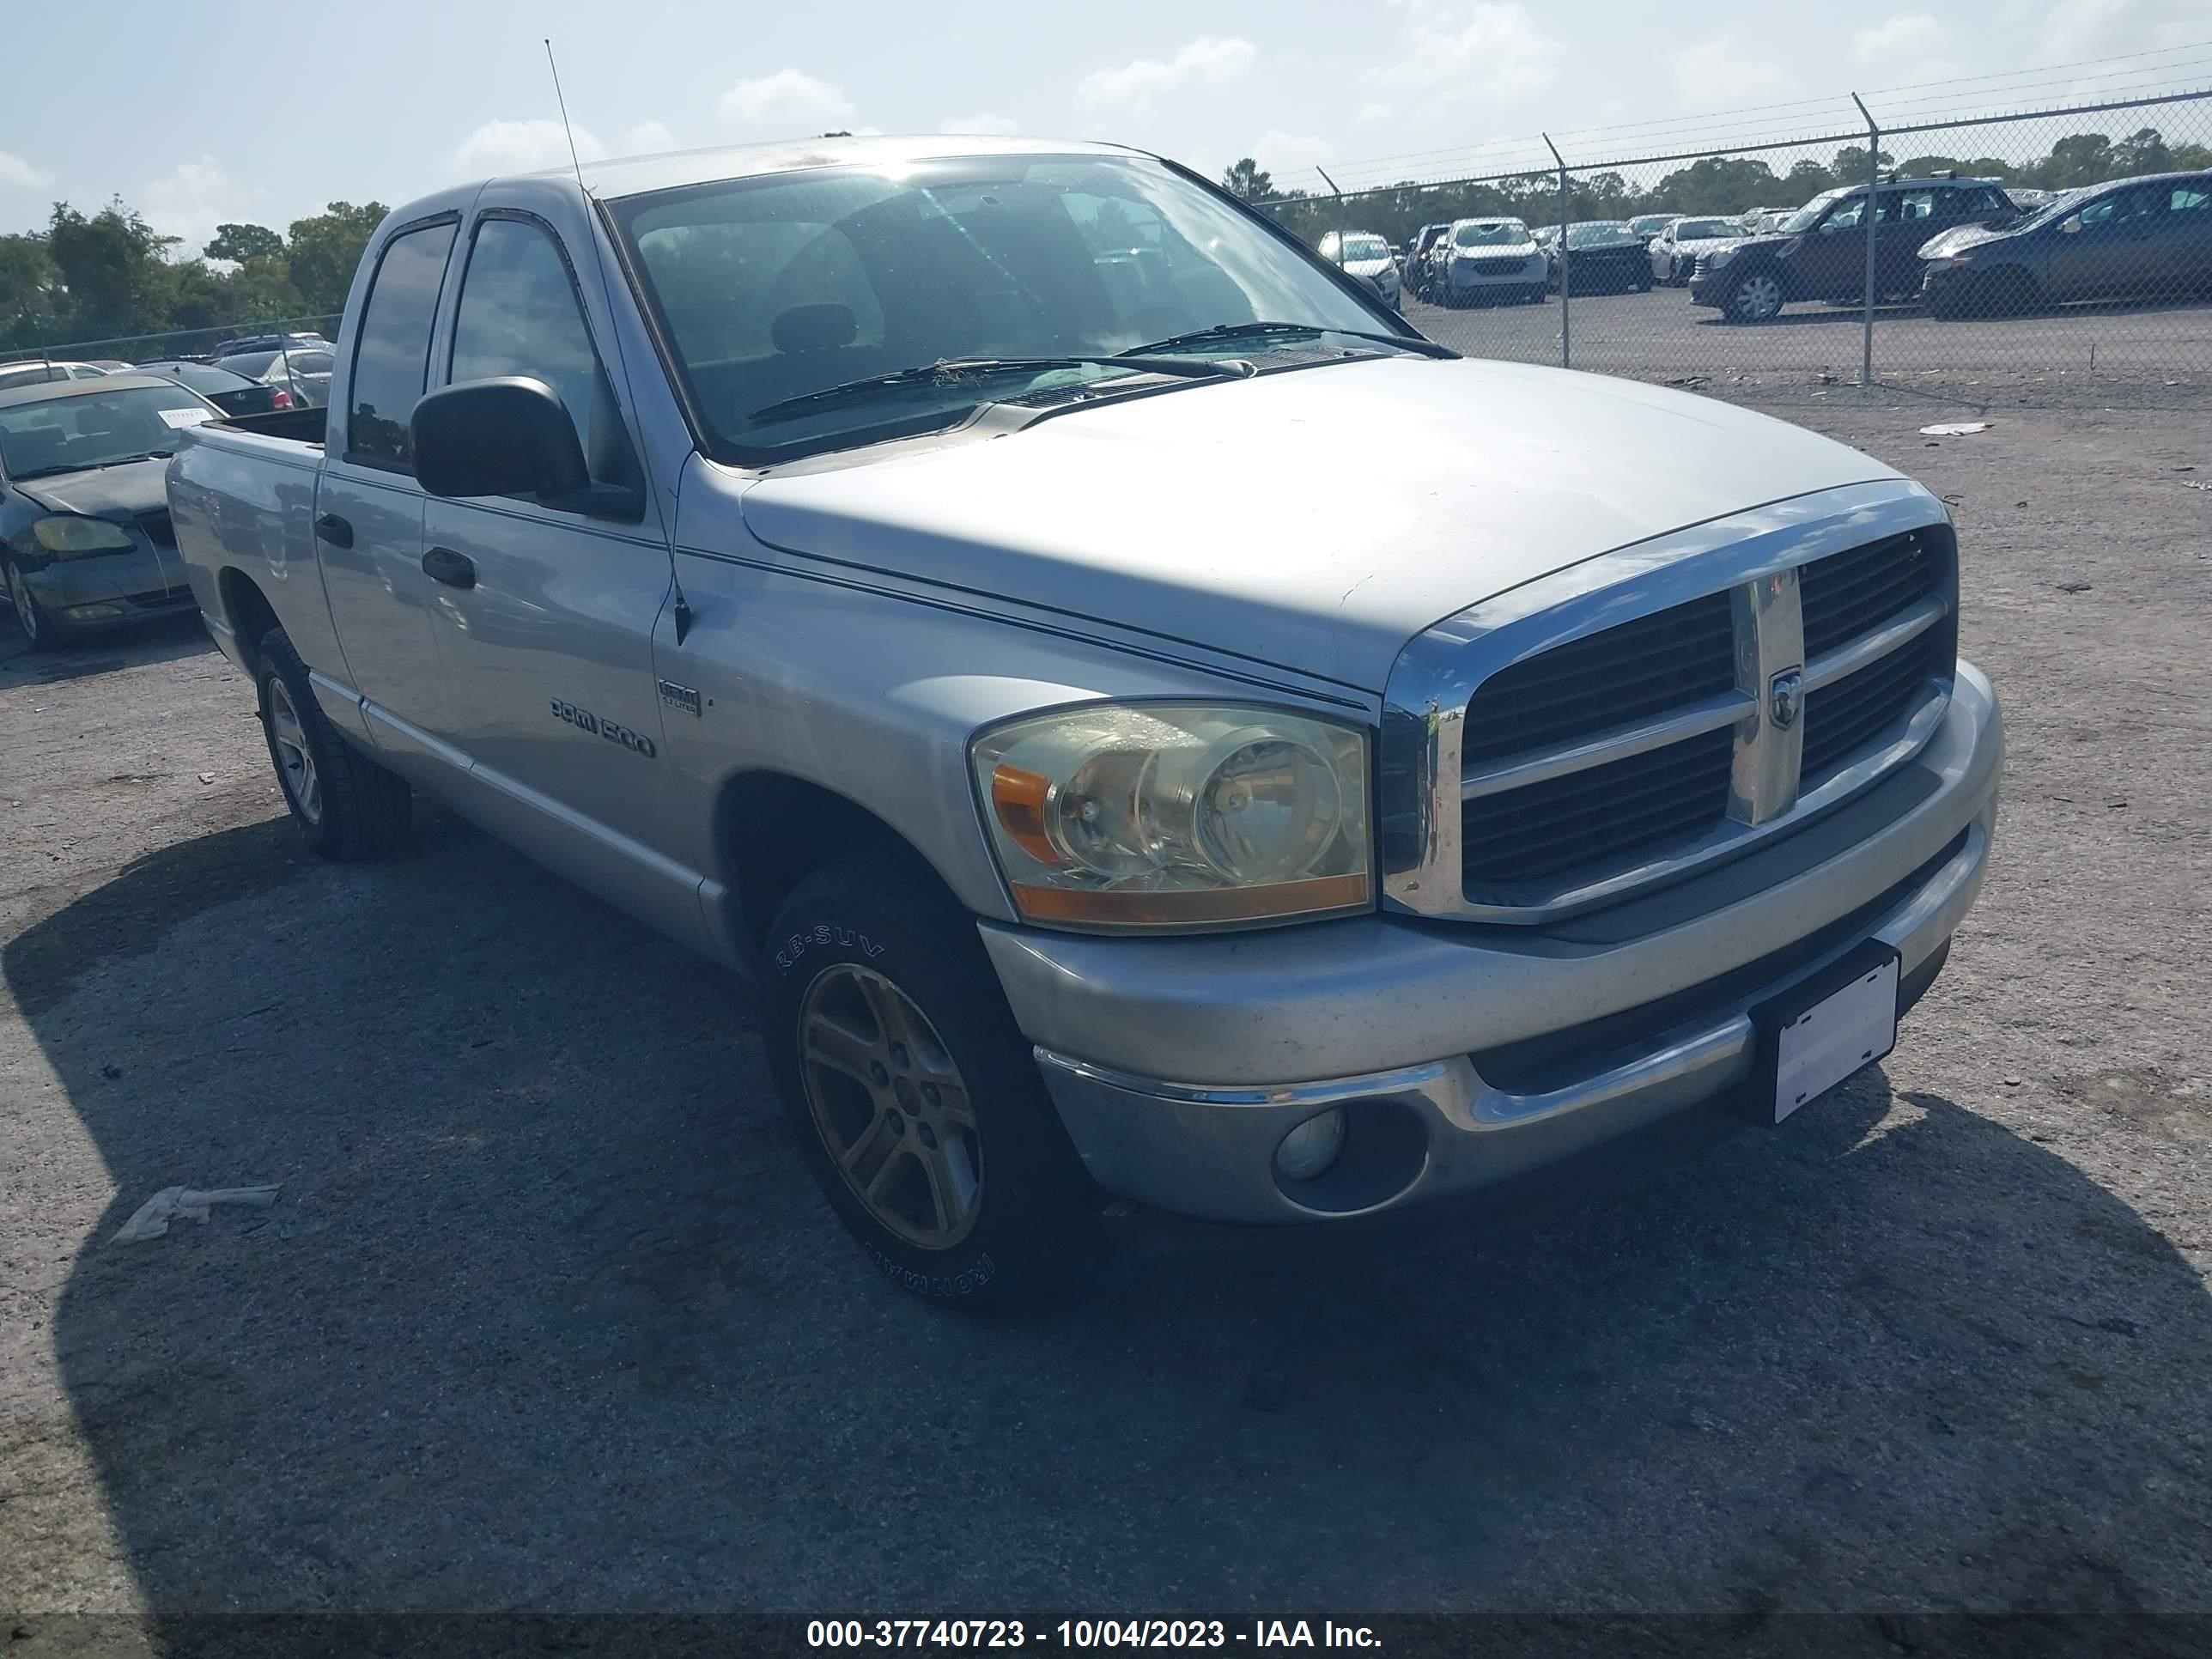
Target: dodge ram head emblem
[(1785, 698)]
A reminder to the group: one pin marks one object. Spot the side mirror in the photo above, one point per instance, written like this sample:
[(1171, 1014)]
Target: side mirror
[(510, 436), (2070, 225)]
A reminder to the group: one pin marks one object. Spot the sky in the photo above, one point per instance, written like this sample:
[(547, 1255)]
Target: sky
[(263, 112)]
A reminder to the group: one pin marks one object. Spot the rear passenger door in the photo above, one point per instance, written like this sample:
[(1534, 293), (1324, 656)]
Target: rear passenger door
[(2185, 264), (369, 508), (546, 614)]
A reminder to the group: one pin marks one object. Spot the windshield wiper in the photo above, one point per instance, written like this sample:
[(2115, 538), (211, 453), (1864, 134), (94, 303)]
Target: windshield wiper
[(955, 368), (1248, 331)]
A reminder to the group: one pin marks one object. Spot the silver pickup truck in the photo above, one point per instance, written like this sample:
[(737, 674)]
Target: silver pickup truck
[(1155, 727)]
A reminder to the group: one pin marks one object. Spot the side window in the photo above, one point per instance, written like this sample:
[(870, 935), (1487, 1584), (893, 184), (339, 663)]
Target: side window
[(393, 356), (519, 315), (1845, 215), (1911, 207), (2194, 199)]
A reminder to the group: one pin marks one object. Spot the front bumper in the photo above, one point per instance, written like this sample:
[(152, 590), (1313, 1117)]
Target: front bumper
[(1709, 286), (1531, 273), (1464, 1054), (110, 590)]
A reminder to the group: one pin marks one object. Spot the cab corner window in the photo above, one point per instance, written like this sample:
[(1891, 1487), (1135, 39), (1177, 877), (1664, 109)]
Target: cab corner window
[(391, 361), (519, 314)]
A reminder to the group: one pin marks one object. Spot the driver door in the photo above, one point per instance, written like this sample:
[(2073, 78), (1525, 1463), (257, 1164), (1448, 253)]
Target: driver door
[(2109, 249)]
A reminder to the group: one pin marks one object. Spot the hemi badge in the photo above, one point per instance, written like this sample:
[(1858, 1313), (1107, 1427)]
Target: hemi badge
[(679, 696)]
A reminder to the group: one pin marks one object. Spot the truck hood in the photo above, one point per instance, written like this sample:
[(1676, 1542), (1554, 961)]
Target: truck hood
[(102, 492), (1316, 520)]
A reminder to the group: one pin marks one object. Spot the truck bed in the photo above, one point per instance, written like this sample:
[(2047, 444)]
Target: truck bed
[(300, 425)]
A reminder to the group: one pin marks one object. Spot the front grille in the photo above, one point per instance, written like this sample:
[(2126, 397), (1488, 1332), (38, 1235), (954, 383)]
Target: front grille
[(157, 528), (1855, 592), (1496, 267), (1638, 803), (1847, 715), (1642, 668), (1630, 736)]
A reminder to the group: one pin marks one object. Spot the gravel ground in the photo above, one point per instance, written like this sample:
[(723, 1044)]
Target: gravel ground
[(549, 1316), (2079, 357)]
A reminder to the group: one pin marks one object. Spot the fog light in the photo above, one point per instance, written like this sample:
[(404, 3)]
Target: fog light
[(1309, 1149), (99, 612)]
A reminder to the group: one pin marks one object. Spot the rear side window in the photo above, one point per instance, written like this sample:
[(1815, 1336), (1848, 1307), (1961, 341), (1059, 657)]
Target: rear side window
[(393, 354)]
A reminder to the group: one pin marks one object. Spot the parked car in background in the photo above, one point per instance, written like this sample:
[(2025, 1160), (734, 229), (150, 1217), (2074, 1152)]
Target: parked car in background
[(1364, 254), (1820, 252), (1539, 758), (2026, 196), (1673, 252), (1648, 225), (303, 372), (85, 541), (2148, 238), (1603, 256), (45, 372), (238, 345), (231, 392), (1492, 259), (1420, 265)]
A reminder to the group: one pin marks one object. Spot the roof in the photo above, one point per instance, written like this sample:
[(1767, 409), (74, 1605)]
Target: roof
[(636, 175), (51, 391)]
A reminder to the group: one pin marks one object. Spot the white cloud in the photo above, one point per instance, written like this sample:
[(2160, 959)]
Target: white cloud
[(1897, 43), (15, 170), (1281, 152), (789, 97), (2075, 28), (1375, 112), (191, 199), (1716, 74), (1456, 50), (645, 138), (986, 124), (1136, 86), (502, 146)]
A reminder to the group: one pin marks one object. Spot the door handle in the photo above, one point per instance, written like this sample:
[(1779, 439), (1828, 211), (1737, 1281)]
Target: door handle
[(442, 564), (337, 532)]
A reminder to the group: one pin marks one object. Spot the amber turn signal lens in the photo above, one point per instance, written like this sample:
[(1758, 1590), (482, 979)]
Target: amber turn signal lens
[(1018, 796)]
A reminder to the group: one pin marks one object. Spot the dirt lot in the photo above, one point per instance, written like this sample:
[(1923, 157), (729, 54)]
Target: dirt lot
[(549, 1316), (2078, 357)]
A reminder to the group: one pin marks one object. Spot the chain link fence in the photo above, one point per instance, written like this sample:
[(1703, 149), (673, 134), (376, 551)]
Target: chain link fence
[(173, 345), (2053, 259)]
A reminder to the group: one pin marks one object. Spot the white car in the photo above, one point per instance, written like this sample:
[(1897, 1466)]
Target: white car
[(1675, 250), (1364, 254), (1490, 258)]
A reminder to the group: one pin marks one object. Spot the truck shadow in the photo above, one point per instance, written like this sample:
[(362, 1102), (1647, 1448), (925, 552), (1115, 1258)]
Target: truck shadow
[(548, 1316)]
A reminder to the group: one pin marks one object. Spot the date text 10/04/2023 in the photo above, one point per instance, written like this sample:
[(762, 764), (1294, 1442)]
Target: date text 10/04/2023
[(1083, 1633)]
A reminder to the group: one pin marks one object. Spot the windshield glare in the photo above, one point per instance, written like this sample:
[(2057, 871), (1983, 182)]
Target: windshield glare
[(63, 434), (772, 288), (1808, 215), (1490, 233)]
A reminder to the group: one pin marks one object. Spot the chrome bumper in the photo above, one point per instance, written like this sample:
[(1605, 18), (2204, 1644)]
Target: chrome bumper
[(1398, 1018)]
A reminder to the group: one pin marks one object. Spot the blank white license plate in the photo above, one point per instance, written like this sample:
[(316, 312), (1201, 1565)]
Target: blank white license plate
[(1844, 1032)]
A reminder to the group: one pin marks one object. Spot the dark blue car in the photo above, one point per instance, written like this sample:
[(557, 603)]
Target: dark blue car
[(2148, 239)]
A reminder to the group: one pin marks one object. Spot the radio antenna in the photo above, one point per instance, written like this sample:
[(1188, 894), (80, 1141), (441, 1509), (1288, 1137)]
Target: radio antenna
[(678, 609)]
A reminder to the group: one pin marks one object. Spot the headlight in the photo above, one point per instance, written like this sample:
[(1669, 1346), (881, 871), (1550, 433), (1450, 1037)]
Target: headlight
[(1177, 815), (1950, 262), (65, 532), (1717, 258)]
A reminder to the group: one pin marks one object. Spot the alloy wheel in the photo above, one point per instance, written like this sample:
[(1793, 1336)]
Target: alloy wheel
[(1758, 298), (27, 611), (890, 1106), (295, 762)]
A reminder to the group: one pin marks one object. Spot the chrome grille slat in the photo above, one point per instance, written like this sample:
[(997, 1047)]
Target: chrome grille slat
[(1614, 742)]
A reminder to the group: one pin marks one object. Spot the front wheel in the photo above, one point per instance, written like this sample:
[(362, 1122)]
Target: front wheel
[(38, 624), (912, 1092), (1755, 297)]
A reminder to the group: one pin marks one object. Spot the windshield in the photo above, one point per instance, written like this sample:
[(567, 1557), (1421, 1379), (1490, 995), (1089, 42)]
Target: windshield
[(769, 288), (1651, 224), (1705, 230), (1489, 232), (63, 434), (1808, 215), (1597, 235), (1358, 249)]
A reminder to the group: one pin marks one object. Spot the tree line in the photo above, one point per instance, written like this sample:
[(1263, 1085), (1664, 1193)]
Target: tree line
[(1716, 184), (110, 276)]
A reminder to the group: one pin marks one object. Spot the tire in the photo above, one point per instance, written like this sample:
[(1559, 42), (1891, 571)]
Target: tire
[(1754, 296), (346, 806), (884, 1017), (45, 631)]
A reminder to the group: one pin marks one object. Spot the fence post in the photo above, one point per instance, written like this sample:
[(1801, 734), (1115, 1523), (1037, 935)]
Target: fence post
[(1566, 286), (1336, 211), (1872, 218)]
